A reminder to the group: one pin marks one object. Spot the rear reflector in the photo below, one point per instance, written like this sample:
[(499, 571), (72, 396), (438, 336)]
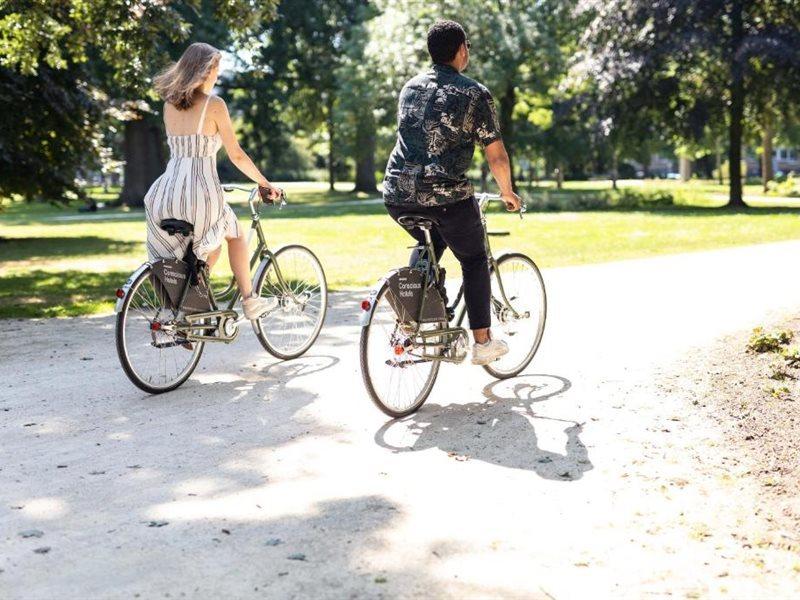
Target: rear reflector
[(365, 305), (120, 293), (155, 325)]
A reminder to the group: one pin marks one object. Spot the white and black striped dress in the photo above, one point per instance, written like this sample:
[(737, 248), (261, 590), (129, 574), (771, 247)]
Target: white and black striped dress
[(189, 190)]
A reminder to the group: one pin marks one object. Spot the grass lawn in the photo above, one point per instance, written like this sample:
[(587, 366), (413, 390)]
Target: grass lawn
[(58, 262)]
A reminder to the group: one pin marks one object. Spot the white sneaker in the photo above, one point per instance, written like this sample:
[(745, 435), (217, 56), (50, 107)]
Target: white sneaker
[(256, 307), (483, 354)]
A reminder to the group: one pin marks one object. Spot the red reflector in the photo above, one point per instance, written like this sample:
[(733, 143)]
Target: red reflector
[(120, 293), (398, 350), (155, 325), (365, 305)]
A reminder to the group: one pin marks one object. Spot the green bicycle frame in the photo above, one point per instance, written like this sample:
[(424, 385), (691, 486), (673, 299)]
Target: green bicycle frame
[(260, 253), (434, 270)]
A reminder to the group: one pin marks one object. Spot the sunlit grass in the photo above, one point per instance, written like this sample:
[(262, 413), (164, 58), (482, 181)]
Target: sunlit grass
[(55, 267)]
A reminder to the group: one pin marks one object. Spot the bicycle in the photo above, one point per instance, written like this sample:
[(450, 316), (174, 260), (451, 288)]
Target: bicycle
[(167, 309), (409, 329)]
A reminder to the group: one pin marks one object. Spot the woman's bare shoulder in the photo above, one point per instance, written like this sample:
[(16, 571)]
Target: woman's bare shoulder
[(216, 104)]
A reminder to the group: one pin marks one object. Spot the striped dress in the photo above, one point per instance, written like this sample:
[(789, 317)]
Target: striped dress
[(189, 190)]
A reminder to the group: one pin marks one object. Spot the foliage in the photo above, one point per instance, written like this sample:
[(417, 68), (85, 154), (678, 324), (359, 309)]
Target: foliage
[(292, 86), (625, 199), (763, 341), (788, 187), (51, 136), (70, 61), (693, 65)]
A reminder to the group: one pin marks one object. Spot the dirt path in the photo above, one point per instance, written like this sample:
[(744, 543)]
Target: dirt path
[(590, 476)]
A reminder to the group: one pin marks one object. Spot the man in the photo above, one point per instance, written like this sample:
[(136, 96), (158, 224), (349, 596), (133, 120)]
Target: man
[(441, 115)]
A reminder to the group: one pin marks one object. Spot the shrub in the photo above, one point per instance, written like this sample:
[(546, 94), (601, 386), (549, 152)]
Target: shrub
[(761, 341), (778, 372), (791, 356), (789, 187), (628, 198), (625, 198)]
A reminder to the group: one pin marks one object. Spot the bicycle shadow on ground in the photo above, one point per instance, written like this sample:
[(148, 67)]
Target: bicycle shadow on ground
[(500, 431)]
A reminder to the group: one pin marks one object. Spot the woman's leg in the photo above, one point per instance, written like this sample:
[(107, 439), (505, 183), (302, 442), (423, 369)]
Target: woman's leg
[(213, 257), (240, 264)]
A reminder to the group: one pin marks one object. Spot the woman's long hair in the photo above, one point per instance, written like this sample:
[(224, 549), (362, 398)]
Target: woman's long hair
[(178, 83)]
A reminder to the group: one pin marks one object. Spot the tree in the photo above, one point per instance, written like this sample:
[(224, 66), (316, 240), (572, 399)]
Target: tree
[(693, 62), (301, 51), (515, 45), (47, 135), (112, 48)]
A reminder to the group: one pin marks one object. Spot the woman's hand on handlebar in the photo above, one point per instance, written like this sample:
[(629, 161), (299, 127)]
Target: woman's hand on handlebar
[(269, 192), (511, 200)]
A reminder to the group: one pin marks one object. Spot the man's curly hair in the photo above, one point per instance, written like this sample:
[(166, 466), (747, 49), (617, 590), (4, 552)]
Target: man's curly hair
[(444, 40)]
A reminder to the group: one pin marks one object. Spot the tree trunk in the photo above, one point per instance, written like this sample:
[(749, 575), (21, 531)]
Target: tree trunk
[(614, 169), (560, 175), (737, 108), (331, 154), (484, 176), (366, 144), (718, 152), (767, 172), (685, 168), (143, 149), (507, 103)]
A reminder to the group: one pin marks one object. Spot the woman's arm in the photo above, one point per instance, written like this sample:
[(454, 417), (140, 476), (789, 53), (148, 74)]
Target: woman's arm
[(219, 112)]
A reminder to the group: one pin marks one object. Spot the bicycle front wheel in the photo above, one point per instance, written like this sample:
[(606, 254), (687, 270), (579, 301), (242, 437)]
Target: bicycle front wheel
[(523, 286), (153, 358), (294, 277), (397, 377)]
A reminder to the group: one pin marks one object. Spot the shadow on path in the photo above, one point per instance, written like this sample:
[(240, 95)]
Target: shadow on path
[(499, 431)]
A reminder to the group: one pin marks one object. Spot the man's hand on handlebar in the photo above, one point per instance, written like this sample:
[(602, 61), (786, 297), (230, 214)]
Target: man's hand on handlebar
[(511, 200)]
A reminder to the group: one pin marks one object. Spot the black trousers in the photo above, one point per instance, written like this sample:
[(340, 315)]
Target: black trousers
[(460, 230)]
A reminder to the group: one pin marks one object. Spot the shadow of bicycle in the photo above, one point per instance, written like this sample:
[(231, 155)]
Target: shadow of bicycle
[(500, 431)]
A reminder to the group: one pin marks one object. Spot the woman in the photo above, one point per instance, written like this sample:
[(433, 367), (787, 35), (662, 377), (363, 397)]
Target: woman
[(197, 124)]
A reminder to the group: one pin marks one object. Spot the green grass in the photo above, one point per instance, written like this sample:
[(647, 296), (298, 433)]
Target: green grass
[(52, 267)]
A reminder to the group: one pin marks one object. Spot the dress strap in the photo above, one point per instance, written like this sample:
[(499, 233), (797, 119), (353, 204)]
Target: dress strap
[(203, 116)]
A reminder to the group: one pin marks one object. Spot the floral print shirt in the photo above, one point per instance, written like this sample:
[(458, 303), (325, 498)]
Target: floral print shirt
[(441, 115)]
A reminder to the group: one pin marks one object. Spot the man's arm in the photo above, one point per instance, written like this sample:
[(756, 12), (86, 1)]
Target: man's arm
[(500, 166)]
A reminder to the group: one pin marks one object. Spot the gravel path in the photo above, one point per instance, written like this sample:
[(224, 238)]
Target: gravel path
[(598, 473)]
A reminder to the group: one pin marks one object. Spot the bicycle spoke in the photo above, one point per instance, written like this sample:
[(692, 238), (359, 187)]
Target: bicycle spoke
[(293, 326)]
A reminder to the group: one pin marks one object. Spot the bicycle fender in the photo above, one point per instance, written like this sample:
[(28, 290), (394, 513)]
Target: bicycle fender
[(266, 260), (134, 276), (367, 309)]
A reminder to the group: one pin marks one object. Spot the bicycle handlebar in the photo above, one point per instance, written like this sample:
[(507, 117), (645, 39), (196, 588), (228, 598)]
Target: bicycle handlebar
[(485, 198), (229, 187)]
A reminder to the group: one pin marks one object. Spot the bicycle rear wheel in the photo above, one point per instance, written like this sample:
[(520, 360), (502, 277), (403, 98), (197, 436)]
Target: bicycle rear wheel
[(289, 330), (398, 384), (153, 358)]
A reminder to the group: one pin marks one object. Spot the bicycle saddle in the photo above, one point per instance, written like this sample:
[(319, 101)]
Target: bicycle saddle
[(173, 226), (412, 220)]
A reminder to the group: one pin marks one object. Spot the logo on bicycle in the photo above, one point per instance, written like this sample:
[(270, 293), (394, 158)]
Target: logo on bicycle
[(408, 289)]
